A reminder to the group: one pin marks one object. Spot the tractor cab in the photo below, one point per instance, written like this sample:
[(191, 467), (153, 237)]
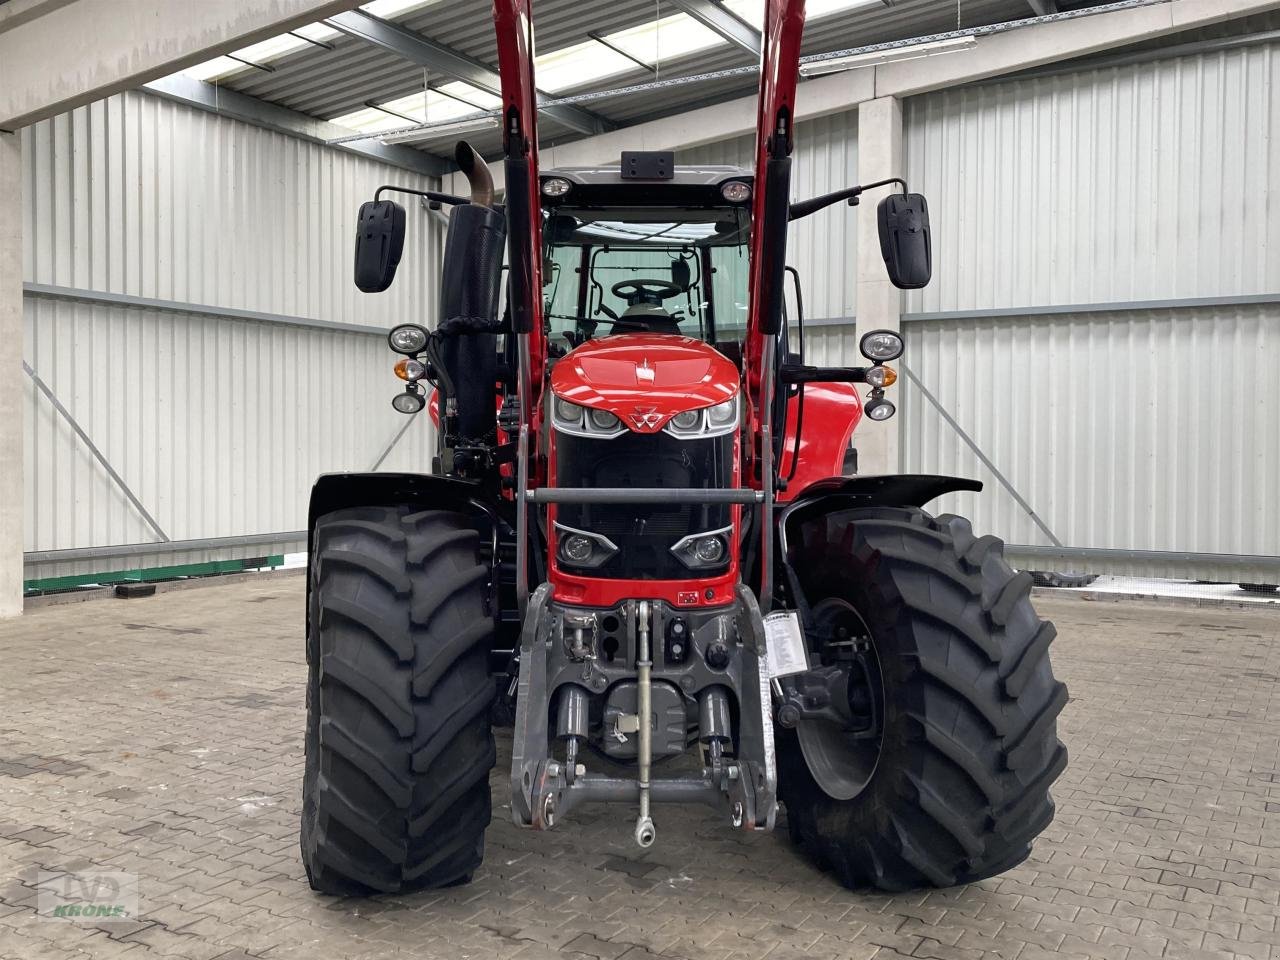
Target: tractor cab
[(661, 255)]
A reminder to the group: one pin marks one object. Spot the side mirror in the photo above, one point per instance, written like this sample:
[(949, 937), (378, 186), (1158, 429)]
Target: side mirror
[(680, 274), (904, 240), (379, 243)]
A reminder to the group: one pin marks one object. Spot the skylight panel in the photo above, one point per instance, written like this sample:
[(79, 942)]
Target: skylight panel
[(371, 120), (387, 9), (271, 48), (578, 65), (212, 69), (661, 40), (752, 11), (823, 8), (317, 32), (435, 106), (477, 98), (262, 52)]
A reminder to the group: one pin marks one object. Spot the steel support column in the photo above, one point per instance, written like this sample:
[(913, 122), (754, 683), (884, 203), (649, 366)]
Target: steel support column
[(879, 301), (12, 381)]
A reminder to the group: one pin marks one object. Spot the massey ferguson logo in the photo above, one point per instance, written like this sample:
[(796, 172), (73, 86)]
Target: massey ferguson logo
[(646, 418)]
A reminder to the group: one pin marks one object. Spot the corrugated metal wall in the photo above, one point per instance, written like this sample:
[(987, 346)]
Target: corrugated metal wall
[(219, 426), (1150, 430), (1144, 430), (1147, 429), (1140, 182)]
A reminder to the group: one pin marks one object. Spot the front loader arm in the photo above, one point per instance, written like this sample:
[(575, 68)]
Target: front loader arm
[(779, 70), (513, 23)]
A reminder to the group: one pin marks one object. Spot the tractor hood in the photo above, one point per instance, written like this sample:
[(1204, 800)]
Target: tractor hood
[(645, 379)]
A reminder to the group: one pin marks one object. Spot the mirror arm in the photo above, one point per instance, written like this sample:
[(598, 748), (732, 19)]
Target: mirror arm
[(805, 207), (792, 373), (429, 194)]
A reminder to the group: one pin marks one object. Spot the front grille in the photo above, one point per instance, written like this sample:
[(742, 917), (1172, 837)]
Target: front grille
[(645, 533)]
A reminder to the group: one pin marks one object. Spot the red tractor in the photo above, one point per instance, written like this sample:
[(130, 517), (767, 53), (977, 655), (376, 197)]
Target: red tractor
[(643, 520)]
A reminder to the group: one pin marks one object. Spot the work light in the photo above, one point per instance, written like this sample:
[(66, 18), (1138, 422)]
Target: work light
[(407, 338), (881, 346)]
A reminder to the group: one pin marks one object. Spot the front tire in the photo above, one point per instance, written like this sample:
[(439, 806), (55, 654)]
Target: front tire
[(968, 747), (399, 744)]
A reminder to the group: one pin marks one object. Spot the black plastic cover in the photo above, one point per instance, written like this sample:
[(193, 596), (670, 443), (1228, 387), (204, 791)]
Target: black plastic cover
[(905, 240), (648, 164), (520, 287), (471, 275), (379, 244), (774, 249), (471, 279)]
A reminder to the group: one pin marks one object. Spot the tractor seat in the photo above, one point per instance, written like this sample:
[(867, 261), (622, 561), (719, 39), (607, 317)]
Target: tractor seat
[(645, 318)]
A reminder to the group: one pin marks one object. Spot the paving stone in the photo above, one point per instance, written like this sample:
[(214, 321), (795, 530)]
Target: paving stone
[(172, 749)]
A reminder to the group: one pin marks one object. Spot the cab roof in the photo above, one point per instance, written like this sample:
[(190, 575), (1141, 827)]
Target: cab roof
[(700, 175)]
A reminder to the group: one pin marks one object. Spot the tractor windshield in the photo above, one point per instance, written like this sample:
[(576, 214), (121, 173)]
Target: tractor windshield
[(646, 269)]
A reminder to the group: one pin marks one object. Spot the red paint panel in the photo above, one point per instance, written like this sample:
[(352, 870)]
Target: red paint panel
[(653, 376), (831, 413)]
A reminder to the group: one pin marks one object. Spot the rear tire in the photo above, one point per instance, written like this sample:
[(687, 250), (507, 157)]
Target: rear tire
[(399, 744), (968, 745)]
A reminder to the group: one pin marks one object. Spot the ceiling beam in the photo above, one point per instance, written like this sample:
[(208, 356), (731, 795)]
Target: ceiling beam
[(56, 55), (260, 113), (443, 59), (1017, 49), (724, 22)]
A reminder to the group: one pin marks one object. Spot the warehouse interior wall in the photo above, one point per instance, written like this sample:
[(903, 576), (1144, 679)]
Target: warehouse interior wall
[(1104, 318), (190, 322), (216, 424)]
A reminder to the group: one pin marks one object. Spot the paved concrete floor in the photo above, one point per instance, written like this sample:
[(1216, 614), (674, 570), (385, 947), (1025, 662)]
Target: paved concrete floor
[(162, 738)]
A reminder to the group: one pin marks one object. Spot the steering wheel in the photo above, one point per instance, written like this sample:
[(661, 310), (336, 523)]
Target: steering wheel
[(637, 292)]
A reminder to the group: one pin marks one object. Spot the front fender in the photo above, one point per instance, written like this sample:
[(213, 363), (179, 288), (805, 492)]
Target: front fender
[(890, 490), (338, 491)]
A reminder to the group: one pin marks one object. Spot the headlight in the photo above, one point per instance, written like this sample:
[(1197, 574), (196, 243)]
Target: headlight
[(580, 548), (576, 548), (569, 412), (603, 420), (408, 338), (723, 414), (571, 418), (708, 549), (881, 346), (708, 422), (699, 551)]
